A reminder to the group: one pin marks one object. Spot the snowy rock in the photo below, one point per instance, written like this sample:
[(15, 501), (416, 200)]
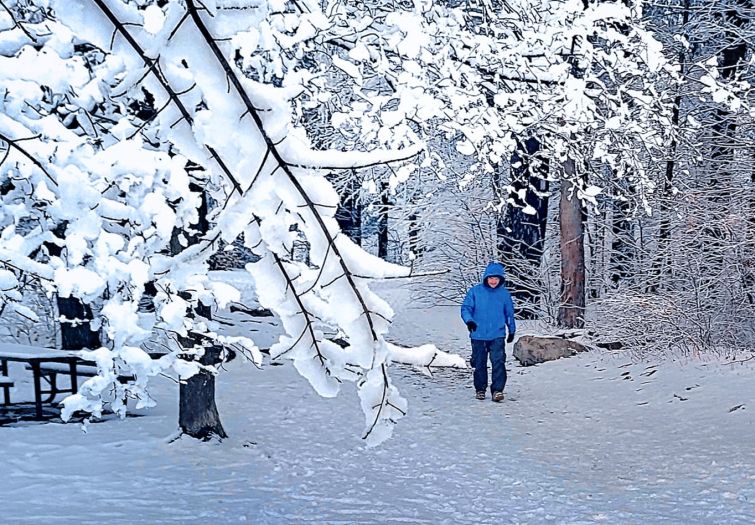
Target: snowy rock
[(531, 350)]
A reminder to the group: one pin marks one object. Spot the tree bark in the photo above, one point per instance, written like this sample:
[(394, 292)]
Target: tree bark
[(622, 245), (415, 246), (198, 415), (521, 235), (571, 219), (724, 130), (349, 212), (78, 335), (662, 261), (383, 222)]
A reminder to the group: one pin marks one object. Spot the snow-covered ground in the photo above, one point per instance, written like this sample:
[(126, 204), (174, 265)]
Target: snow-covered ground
[(594, 438)]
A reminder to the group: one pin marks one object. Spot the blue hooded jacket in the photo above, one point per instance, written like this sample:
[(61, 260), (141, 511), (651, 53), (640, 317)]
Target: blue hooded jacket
[(490, 308)]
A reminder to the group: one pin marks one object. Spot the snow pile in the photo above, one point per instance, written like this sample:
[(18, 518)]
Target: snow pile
[(589, 439)]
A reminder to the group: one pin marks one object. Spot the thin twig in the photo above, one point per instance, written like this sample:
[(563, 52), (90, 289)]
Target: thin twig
[(28, 155)]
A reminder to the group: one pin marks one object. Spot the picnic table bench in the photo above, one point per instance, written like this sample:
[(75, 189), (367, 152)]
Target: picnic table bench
[(46, 365), (5, 382), (36, 358)]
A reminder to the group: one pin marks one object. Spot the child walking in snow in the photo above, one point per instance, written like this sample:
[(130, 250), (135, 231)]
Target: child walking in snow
[(488, 312)]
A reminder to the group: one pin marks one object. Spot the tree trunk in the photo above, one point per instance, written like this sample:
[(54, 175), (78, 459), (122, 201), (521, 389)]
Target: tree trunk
[(622, 242), (724, 129), (662, 261), (383, 222), (198, 415), (77, 335), (80, 335), (349, 212), (521, 235), (571, 219), (571, 308), (414, 243)]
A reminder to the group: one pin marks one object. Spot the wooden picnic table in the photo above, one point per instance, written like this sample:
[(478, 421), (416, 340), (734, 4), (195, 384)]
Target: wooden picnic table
[(36, 357)]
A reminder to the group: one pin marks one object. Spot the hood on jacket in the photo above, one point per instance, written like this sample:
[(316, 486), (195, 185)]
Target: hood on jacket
[(494, 269)]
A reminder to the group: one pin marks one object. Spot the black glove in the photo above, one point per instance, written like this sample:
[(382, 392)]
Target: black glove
[(471, 326), (510, 338)]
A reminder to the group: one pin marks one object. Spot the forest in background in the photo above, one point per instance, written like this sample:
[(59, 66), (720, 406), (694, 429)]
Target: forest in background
[(666, 262)]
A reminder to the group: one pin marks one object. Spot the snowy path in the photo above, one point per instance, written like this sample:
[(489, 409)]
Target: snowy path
[(580, 441)]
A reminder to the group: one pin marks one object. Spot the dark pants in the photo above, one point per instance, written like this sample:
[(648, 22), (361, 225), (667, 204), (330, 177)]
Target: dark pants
[(480, 351)]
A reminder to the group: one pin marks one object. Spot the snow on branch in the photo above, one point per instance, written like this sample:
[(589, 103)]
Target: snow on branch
[(323, 243), (425, 357), (141, 113), (14, 144), (297, 157), (156, 118)]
